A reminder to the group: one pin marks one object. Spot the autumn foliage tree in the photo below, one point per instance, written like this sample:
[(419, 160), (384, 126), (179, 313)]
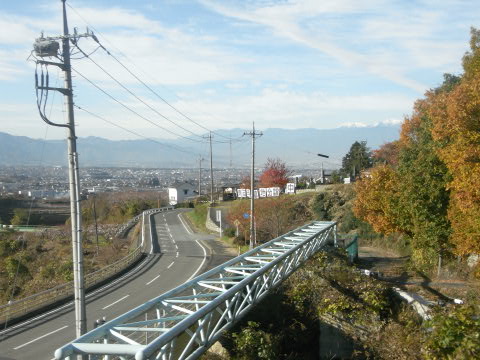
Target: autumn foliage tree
[(456, 117), (275, 173), (427, 185), (387, 153)]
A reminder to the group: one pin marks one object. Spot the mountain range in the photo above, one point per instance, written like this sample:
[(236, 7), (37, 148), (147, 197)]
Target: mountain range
[(297, 147)]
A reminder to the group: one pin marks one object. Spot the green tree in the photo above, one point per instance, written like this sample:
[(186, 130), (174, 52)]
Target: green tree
[(424, 198), (357, 159), (20, 217)]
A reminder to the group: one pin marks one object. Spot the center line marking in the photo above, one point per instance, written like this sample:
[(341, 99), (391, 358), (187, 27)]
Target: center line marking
[(155, 278), (169, 266), (106, 307), (40, 337)]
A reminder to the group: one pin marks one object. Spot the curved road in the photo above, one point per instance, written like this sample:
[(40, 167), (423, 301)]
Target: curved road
[(176, 255)]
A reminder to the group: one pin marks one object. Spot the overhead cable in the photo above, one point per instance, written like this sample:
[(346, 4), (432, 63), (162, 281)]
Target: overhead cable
[(138, 98), (136, 77), (130, 109), (133, 132)]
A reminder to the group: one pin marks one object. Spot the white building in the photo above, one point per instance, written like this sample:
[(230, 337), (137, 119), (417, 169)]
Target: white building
[(179, 192)]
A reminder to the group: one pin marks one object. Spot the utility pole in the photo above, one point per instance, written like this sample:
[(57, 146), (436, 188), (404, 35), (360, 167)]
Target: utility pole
[(49, 47), (200, 159), (253, 239), (95, 217), (211, 168), (230, 153)]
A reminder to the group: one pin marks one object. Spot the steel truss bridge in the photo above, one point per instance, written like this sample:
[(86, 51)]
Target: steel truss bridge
[(184, 322)]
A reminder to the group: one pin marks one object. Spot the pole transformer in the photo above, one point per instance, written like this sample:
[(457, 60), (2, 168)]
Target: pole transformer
[(49, 47), (253, 239)]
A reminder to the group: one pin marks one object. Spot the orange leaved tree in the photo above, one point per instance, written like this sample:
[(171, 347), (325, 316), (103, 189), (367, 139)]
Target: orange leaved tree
[(275, 173)]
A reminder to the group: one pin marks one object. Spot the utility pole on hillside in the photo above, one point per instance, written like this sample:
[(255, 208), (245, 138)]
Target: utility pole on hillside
[(209, 136), (200, 159), (253, 239), (49, 47), (230, 153)]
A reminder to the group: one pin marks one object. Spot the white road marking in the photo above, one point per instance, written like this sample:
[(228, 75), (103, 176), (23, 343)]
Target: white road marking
[(106, 307), (184, 225), (203, 261), (40, 337), (155, 278), (199, 244), (169, 266)]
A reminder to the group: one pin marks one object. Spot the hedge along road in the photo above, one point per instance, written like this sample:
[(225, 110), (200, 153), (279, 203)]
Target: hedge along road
[(176, 255)]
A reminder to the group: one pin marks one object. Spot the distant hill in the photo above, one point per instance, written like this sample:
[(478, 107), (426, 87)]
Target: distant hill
[(297, 147)]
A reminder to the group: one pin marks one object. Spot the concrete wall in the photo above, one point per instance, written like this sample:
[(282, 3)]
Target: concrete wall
[(210, 225)]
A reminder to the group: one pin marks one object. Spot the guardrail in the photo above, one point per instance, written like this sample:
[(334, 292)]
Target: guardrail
[(22, 307), (24, 228), (184, 322)]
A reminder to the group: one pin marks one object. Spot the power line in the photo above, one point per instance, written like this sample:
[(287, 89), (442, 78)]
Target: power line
[(131, 131), (130, 109), (133, 94), (136, 77), (137, 97)]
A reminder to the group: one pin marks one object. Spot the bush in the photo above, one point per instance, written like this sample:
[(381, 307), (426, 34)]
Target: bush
[(230, 232), (454, 334), (239, 240), (254, 343)]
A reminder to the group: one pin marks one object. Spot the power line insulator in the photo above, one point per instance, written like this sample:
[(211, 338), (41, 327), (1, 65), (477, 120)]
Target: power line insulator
[(45, 47)]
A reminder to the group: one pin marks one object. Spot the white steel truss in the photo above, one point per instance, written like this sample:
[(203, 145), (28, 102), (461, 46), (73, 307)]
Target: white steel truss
[(185, 321)]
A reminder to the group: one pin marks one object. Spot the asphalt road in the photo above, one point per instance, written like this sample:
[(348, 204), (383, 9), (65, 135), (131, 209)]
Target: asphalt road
[(176, 255)]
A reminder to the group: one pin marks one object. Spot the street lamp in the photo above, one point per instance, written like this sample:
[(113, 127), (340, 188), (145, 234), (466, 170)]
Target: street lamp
[(322, 174)]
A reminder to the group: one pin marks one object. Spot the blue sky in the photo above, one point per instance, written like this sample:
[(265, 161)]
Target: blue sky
[(287, 64)]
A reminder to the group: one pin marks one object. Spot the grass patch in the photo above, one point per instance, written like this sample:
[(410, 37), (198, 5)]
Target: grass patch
[(231, 243), (198, 217)]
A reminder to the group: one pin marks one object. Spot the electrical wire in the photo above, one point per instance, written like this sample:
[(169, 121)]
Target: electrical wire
[(136, 77), (139, 99), (130, 109), (133, 132), (40, 161), (134, 95), (146, 104)]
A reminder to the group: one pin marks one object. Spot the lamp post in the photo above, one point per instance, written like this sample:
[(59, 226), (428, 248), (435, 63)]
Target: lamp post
[(322, 173)]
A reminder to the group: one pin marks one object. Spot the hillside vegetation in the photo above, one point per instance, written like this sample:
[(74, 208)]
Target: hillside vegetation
[(32, 262), (426, 186)]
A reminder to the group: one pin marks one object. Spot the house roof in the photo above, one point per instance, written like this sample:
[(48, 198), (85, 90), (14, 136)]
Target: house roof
[(181, 185)]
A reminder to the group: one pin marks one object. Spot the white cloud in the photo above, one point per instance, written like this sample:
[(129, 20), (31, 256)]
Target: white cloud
[(405, 35)]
